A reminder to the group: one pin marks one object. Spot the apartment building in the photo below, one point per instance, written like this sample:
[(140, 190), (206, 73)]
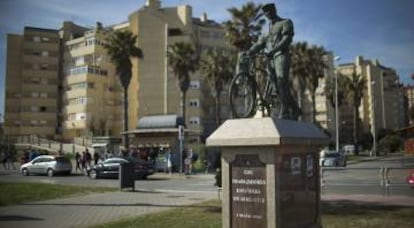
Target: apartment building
[(32, 83), (77, 92), (92, 97), (382, 104), (155, 84), (409, 104)]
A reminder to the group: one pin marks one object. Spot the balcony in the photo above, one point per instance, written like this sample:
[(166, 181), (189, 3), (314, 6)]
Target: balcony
[(75, 93)]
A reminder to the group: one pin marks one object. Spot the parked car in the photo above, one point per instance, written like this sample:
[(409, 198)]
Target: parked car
[(47, 164), (348, 149), (110, 168), (410, 178), (332, 158)]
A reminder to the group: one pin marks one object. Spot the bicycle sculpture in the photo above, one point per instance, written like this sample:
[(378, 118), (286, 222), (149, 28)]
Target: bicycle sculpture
[(251, 89), (269, 57)]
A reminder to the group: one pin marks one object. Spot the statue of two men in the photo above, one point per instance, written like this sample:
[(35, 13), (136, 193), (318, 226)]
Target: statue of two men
[(276, 44)]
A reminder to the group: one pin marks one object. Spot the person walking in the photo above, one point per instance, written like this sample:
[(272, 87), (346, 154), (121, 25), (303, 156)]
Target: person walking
[(169, 161), (78, 160), (96, 157)]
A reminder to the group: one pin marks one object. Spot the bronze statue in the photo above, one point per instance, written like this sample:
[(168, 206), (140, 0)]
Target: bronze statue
[(276, 45)]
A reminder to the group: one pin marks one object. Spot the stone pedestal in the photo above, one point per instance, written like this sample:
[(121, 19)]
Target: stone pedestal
[(270, 172)]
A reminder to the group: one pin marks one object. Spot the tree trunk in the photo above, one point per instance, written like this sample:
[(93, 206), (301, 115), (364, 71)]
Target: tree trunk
[(126, 138), (218, 109), (355, 133), (183, 94), (313, 108)]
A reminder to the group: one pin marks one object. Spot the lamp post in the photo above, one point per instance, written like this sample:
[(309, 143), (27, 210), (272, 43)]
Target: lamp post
[(374, 127), (336, 107)]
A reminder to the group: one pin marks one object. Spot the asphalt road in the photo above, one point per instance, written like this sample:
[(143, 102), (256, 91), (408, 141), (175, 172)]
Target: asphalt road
[(157, 182), (367, 178), (360, 178)]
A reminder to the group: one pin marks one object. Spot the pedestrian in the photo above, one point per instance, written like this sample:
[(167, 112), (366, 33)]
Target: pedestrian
[(78, 160), (96, 157), (187, 163), (169, 161), (10, 160), (4, 158), (83, 161), (88, 158)]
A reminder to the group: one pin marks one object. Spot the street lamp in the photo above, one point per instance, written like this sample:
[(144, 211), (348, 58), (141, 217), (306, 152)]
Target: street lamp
[(336, 107), (374, 128)]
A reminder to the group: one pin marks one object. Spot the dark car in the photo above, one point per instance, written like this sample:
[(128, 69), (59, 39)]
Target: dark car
[(110, 168)]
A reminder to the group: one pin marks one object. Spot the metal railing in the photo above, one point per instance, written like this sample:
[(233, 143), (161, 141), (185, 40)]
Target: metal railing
[(36, 142)]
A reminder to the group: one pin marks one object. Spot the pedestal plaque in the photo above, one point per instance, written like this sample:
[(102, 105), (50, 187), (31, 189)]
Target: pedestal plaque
[(248, 192)]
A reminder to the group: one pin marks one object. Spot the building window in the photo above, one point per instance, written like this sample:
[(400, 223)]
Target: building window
[(34, 108), (35, 80), (43, 122), (42, 108), (71, 116), (44, 66), (80, 61), (43, 95), (37, 53), (36, 38), (17, 123), (194, 103), (195, 120), (33, 122), (175, 32), (80, 116), (45, 39), (194, 84), (45, 53)]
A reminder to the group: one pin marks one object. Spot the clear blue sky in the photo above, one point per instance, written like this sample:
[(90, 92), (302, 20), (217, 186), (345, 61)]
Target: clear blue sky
[(375, 29)]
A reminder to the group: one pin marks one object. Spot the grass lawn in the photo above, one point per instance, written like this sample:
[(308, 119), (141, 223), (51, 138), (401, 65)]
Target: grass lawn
[(334, 215), (15, 193)]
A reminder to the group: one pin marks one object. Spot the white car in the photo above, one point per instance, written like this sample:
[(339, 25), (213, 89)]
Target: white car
[(332, 158), (46, 164)]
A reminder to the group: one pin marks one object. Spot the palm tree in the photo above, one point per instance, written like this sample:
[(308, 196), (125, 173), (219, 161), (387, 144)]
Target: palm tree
[(121, 46), (356, 87), (342, 89), (218, 70), (182, 59), (243, 29), (298, 70), (307, 68), (316, 70)]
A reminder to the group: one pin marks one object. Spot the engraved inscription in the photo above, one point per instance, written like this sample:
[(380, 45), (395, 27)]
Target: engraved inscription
[(248, 192)]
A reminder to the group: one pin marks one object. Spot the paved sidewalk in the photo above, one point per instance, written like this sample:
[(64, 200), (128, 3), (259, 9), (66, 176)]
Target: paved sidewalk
[(83, 211)]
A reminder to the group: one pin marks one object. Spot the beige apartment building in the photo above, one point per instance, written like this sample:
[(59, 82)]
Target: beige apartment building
[(32, 83), (409, 104), (155, 85), (92, 93), (382, 104), (77, 92)]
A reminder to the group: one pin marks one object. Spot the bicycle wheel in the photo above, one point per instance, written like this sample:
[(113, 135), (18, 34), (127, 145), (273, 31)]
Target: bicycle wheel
[(242, 96)]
